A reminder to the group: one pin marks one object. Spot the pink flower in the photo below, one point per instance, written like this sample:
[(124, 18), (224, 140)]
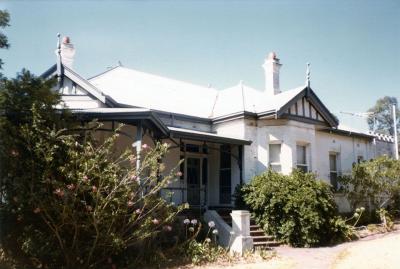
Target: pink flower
[(59, 192), (14, 153), (132, 158), (145, 146), (71, 187), (85, 179), (156, 221), (94, 188), (134, 177), (167, 228), (186, 221), (138, 211), (130, 203), (179, 174), (36, 210)]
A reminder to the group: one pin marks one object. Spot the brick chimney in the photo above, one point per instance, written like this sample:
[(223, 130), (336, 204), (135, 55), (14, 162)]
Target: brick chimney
[(67, 52), (271, 67)]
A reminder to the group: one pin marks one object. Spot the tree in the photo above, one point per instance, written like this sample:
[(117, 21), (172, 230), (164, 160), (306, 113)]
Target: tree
[(375, 182), (4, 20), (381, 121), (67, 199)]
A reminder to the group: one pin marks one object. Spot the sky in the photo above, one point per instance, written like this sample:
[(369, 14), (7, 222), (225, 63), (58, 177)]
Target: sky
[(353, 46)]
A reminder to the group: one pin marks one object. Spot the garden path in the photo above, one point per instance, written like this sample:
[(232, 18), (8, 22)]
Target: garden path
[(375, 252), (380, 251)]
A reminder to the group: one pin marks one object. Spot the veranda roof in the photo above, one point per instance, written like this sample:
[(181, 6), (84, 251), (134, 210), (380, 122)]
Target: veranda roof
[(133, 115), (204, 136)]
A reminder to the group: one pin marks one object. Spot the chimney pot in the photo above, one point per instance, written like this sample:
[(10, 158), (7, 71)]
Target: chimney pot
[(66, 39)]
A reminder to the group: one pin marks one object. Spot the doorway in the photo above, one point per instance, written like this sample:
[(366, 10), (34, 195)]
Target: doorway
[(193, 172)]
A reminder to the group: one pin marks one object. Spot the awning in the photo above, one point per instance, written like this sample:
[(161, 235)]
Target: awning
[(133, 115), (129, 115), (204, 136)]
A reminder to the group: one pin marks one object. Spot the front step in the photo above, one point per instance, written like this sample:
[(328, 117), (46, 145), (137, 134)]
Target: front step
[(260, 239), (266, 244)]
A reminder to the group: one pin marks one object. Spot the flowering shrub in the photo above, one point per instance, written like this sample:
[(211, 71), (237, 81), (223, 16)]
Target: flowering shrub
[(68, 201), (200, 243)]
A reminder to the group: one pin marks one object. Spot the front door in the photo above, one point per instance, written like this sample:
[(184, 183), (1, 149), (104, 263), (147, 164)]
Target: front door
[(193, 172)]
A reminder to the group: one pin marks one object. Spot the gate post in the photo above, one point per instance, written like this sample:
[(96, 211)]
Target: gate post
[(242, 241)]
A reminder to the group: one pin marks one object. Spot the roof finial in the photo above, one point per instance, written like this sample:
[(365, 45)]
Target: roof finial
[(58, 42), (58, 52), (308, 75)]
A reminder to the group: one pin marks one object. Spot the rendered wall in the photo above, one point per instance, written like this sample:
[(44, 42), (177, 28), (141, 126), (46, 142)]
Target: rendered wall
[(77, 98)]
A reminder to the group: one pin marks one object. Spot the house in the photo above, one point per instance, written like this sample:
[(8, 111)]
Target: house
[(224, 136)]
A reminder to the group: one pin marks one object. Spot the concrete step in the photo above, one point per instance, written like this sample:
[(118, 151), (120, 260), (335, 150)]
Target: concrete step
[(262, 238), (255, 227), (267, 244), (256, 232)]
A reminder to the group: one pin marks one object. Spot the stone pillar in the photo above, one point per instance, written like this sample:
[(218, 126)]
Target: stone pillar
[(242, 241)]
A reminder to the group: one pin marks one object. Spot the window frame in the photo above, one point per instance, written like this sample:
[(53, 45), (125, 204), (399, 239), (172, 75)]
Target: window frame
[(305, 167), (275, 166), (337, 172)]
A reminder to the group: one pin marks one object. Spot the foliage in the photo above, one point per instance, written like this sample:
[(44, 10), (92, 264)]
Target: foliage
[(297, 209), (68, 200), (4, 20), (381, 120), (200, 245), (386, 219), (238, 196), (375, 182)]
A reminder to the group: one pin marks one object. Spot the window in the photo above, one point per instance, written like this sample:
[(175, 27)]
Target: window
[(360, 159), (192, 148), (225, 175), (302, 158), (333, 167), (275, 157)]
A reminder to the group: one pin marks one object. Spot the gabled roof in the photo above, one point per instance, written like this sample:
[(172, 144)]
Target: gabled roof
[(244, 98), (76, 78), (132, 87), (124, 87), (311, 97)]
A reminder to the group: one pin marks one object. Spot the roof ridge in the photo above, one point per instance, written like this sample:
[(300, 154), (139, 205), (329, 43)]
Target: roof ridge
[(104, 72), (155, 76)]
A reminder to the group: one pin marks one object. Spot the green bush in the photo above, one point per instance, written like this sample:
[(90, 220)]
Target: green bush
[(374, 184), (297, 209)]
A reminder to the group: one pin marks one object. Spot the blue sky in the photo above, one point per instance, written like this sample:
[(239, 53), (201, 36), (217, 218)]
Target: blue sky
[(353, 46)]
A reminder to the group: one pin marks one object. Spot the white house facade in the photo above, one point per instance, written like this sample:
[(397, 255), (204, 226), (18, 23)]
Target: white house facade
[(224, 136)]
